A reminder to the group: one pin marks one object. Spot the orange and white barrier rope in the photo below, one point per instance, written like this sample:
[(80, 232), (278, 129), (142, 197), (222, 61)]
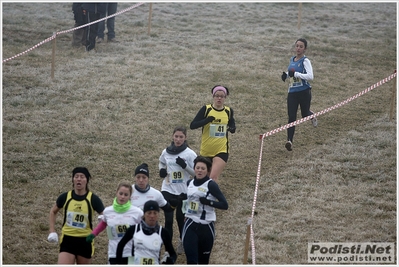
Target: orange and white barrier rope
[(387, 79), (262, 137), (70, 30)]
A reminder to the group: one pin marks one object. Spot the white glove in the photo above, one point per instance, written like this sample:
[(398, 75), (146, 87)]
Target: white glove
[(52, 238), (100, 218), (165, 257)]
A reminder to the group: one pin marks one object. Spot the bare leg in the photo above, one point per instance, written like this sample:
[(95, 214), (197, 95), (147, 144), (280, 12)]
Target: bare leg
[(83, 260), (66, 258), (217, 168)]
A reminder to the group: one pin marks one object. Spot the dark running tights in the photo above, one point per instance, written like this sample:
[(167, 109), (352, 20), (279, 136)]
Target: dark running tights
[(198, 241), (169, 215), (294, 100)]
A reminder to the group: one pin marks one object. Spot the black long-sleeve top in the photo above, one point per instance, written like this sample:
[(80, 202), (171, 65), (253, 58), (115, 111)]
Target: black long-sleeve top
[(166, 239), (214, 190), (201, 119)]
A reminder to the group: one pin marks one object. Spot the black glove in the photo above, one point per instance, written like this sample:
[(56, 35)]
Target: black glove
[(205, 201), (284, 76), (169, 260), (181, 162), (182, 197), (291, 73), (173, 202), (232, 130), (163, 173), (210, 119)]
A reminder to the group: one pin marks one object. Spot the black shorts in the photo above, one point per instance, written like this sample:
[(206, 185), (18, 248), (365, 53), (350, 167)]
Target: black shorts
[(223, 156), (113, 261), (77, 246)]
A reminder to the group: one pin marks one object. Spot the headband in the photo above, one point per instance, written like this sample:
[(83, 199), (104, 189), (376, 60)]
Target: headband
[(219, 88)]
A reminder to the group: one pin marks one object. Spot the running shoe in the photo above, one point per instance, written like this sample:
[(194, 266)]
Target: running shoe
[(313, 120), (288, 145)]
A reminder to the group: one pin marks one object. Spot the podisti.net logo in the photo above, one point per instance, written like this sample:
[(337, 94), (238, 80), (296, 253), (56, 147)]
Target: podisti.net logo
[(360, 252)]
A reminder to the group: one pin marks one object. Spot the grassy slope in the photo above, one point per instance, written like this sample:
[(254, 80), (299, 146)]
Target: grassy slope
[(113, 109)]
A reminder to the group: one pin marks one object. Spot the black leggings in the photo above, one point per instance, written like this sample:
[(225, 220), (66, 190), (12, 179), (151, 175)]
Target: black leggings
[(294, 100), (198, 241), (169, 215)]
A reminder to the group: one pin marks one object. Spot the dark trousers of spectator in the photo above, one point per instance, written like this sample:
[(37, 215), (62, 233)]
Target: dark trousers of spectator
[(110, 10), (91, 30), (79, 37)]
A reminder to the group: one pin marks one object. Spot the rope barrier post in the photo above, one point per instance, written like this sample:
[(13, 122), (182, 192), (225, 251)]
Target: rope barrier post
[(245, 260), (393, 98), (299, 15), (149, 19), (53, 56)]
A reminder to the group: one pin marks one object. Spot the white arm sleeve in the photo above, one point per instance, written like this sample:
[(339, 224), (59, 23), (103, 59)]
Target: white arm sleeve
[(190, 170), (309, 71), (162, 161)]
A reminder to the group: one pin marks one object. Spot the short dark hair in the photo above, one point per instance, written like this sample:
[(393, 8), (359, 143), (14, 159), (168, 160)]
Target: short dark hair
[(204, 160), (303, 40)]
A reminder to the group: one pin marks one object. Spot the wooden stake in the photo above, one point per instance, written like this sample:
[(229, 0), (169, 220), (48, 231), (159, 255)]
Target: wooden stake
[(53, 56), (245, 260), (149, 19), (299, 15), (393, 98)]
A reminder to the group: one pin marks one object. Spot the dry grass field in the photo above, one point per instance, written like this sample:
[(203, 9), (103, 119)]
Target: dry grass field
[(114, 108)]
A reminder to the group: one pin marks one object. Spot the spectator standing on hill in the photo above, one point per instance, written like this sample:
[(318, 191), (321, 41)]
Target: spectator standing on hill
[(110, 9), (148, 237), (176, 165), (92, 12), (78, 36), (216, 121), (78, 205), (116, 219), (203, 196), (300, 72), (85, 13)]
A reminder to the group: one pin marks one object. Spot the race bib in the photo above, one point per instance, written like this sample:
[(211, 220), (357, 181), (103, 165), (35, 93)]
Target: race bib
[(192, 207), (116, 231), (140, 261), (176, 177), (217, 130), (295, 82), (76, 220)]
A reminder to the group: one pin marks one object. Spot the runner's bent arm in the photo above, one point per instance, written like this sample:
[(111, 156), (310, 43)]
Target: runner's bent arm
[(232, 122), (309, 71), (125, 239), (215, 191), (53, 215), (199, 119)]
